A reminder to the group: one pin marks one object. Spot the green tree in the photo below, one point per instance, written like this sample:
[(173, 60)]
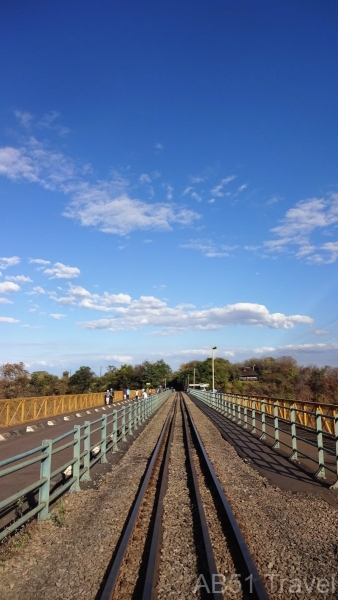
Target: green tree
[(14, 380), (43, 383), (80, 381)]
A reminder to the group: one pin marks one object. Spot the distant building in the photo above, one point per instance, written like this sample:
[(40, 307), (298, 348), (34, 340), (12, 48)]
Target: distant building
[(248, 374)]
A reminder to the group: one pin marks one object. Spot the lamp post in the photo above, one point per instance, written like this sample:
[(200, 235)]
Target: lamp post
[(213, 368)]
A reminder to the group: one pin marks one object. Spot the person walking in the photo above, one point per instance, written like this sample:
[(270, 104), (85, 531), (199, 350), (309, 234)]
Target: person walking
[(111, 396), (128, 393), (107, 397)]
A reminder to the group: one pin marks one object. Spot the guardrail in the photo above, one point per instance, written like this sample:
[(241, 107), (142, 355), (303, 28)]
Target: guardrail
[(83, 447), (22, 410), (259, 416)]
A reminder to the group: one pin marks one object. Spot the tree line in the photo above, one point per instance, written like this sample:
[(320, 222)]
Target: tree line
[(17, 382), (277, 377)]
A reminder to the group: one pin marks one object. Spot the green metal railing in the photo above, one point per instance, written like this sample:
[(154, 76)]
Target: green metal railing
[(83, 447), (270, 420)]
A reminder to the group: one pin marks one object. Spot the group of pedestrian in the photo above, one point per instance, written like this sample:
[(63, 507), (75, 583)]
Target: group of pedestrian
[(109, 396)]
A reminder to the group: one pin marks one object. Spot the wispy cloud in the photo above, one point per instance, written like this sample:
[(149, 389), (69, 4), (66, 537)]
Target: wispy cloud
[(47, 121), (218, 190), (209, 248), (5, 301), (106, 205), (25, 118), (36, 290), (300, 223), (39, 261), (9, 262), (57, 316), (19, 278), (8, 320)]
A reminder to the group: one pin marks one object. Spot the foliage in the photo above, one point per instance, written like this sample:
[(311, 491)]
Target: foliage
[(79, 383), (277, 377), (14, 380), (58, 516)]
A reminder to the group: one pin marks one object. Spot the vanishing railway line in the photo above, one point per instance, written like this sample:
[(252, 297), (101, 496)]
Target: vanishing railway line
[(181, 538)]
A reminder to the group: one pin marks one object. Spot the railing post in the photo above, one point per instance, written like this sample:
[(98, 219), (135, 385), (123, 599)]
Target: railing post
[(124, 439), (321, 461), (253, 415), (86, 449), (335, 485), (294, 455), (135, 405), (114, 432), (245, 426), (239, 420), (130, 418), (233, 408), (263, 434), (45, 470), (275, 424), (75, 487), (103, 458)]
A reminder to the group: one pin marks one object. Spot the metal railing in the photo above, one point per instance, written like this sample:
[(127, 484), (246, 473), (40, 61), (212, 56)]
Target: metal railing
[(22, 410), (310, 434), (81, 448)]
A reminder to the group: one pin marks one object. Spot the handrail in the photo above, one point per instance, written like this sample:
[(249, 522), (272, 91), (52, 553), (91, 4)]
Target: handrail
[(23, 410), (87, 446), (271, 420)]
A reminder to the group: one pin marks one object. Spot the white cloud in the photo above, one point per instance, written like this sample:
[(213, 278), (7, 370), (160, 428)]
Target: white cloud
[(5, 301), (159, 146), (145, 178), (37, 290), (197, 179), (315, 215), (61, 271), (79, 296), (209, 248), (151, 311), (122, 358), (8, 320), (7, 287), (211, 201), (57, 316), (24, 118), (98, 207), (218, 189), (19, 278), (9, 262), (106, 205), (39, 261), (242, 187)]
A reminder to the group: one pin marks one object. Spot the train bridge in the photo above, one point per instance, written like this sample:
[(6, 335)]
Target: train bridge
[(190, 495)]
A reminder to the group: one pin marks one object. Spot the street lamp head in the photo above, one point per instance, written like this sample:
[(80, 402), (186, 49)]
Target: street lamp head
[(214, 348)]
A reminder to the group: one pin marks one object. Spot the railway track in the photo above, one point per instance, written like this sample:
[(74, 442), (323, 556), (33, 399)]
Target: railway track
[(181, 538)]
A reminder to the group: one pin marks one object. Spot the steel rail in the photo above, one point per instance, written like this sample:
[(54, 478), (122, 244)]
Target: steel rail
[(258, 590), (209, 553), (149, 592), (113, 575)]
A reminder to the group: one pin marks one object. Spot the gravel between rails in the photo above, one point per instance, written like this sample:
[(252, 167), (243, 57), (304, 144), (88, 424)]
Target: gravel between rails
[(178, 569), (69, 563), (292, 536), (222, 552)]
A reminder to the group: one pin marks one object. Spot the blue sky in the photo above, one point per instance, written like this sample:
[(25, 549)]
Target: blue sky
[(168, 181)]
